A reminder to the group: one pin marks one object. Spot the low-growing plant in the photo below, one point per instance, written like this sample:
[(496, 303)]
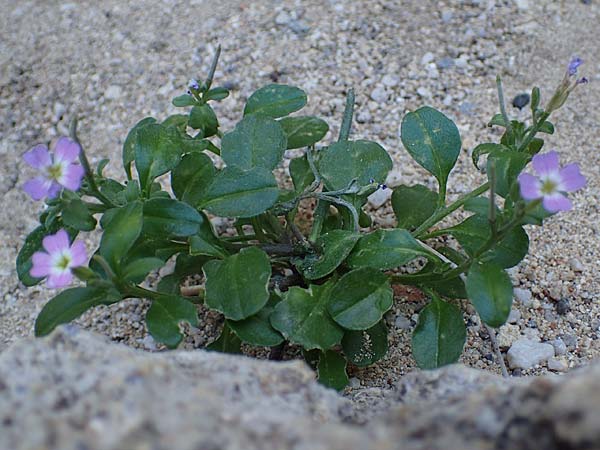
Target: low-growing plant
[(300, 264)]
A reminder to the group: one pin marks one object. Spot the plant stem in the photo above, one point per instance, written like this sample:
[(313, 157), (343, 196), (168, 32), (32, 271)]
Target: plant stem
[(347, 118), (492, 211), (213, 67), (534, 130), (443, 212), (318, 219), (89, 175), (502, 105)]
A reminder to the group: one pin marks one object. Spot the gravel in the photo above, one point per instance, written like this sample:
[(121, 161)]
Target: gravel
[(112, 63), (524, 354)]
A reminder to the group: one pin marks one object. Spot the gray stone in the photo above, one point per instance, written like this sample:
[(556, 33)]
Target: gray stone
[(558, 364), (445, 62), (380, 197), (112, 92), (524, 353), (514, 316), (523, 296), (424, 92), (390, 80), (379, 94), (447, 15), (560, 347), (576, 265), (427, 58), (402, 323), (283, 18)]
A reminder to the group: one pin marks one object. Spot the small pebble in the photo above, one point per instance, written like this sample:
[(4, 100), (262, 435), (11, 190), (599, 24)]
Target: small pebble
[(562, 307), (354, 383), (427, 58), (576, 265), (521, 101), (559, 346), (445, 62), (558, 364), (570, 341), (514, 316), (379, 94), (402, 323), (424, 92), (390, 80), (113, 92), (380, 197), (523, 296), (524, 353)]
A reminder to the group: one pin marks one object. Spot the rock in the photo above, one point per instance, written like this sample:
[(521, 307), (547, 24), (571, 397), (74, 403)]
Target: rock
[(514, 316), (576, 265), (524, 353), (447, 15), (424, 92), (427, 58), (560, 347), (113, 92), (283, 18), (380, 197), (522, 4), (390, 80), (402, 323), (558, 364), (523, 296), (363, 116), (570, 341), (445, 62), (507, 334), (562, 306), (379, 94)]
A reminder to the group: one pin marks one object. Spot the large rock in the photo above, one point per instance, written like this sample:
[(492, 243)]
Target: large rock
[(76, 390)]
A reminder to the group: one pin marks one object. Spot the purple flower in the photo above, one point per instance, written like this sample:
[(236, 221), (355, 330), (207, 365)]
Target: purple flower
[(574, 64), (551, 182), (58, 259), (57, 172), (193, 84)]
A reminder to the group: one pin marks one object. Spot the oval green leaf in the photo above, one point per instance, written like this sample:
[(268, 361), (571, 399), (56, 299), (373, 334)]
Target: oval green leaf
[(203, 118), (386, 249), (413, 205), (275, 100), (256, 141), (164, 316), (239, 193), (257, 329), (121, 233), (169, 217), (303, 131), (129, 145), (238, 285), (490, 291), (433, 141), (332, 370), (303, 319), (191, 177), (360, 298), (440, 335), (345, 161)]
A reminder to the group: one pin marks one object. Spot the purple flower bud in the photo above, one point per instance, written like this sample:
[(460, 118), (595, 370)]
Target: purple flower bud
[(371, 180), (383, 187), (583, 80), (574, 64), (193, 84)]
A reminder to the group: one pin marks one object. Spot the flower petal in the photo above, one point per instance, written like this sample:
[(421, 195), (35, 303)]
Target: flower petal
[(54, 189), (545, 164), (42, 265), (556, 202), (38, 157), (37, 188), (61, 279), (530, 186), (78, 254), (56, 243), (571, 178), (71, 178), (66, 150)]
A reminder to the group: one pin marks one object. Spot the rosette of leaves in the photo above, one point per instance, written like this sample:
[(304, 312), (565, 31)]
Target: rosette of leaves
[(325, 286)]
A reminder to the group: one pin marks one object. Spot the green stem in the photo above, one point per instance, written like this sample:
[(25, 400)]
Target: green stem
[(319, 218), (347, 119), (443, 212), (502, 105), (534, 130), (213, 67)]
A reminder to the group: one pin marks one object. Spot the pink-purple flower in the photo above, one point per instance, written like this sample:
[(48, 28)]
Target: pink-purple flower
[(58, 259), (58, 171), (551, 182)]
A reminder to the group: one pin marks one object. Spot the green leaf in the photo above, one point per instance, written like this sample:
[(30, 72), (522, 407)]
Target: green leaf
[(300, 172), (432, 140), (70, 304), (184, 100), (156, 152), (547, 127), (129, 144), (360, 298), (303, 319), (217, 94), (335, 247), (192, 176), (508, 166), (386, 249), (137, 270), (451, 288), (169, 217), (205, 242), (240, 193), (164, 316), (484, 149), (498, 120), (440, 335), (366, 347), (76, 215), (256, 141), (227, 342), (345, 161), (275, 100), (257, 329), (32, 244), (490, 291), (177, 121), (332, 370), (238, 285), (303, 131), (120, 233), (474, 232), (535, 99), (203, 118), (413, 205)]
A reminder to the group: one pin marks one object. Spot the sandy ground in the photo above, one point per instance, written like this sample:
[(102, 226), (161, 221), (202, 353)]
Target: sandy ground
[(112, 63)]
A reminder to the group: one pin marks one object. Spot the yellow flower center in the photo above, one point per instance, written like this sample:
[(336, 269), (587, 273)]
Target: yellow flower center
[(548, 187), (55, 171), (63, 262)]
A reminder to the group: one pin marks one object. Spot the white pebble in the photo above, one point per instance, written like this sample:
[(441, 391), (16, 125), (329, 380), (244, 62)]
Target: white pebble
[(523, 296), (514, 316), (576, 265), (427, 58), (402, 323), (379, 94), (558, 364), (380, 197), (524, 354), (113, 92), (560, 348), (390, 80)]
